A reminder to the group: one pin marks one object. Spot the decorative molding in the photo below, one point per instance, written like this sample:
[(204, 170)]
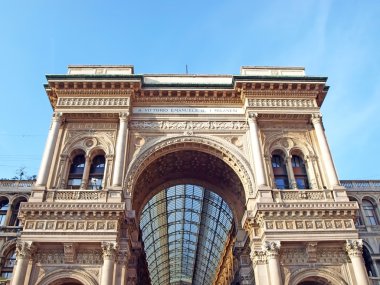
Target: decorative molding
[(213, 146), (259, 257), (354, 247), (271, 248), (92, 102), (69, 249), (282, 103), (109, 250), (78, 225), (189, 125), (85, 126), (24, 250), (93, 92)]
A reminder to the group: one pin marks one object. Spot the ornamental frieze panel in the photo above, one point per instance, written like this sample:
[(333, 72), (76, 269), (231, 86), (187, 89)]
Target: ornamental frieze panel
[(92, 102), (282, 103), (309, 224), (92, 126), (70, 226), (57, 256), (189, 125)]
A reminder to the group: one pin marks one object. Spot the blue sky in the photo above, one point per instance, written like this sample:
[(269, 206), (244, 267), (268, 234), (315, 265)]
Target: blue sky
[(338, 39)]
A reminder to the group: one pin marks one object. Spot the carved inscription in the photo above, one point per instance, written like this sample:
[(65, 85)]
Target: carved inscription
[(188, 125)]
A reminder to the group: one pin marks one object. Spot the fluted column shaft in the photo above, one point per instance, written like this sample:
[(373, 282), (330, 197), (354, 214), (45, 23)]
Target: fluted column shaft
[(49, 150), (120, 150), (325, 151), (256, 150), (24, 251)]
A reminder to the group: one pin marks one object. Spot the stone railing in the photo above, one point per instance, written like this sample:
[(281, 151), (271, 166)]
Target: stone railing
[(96, 196), (361, 185), (296, 195), (16, 185)]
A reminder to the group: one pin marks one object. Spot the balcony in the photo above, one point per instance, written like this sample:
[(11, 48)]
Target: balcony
[(15, 186), (65, 196)]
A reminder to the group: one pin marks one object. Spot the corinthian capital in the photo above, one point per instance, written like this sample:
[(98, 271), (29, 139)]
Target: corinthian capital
[(272, 248), (57, 116), (259, 257), (124, 115), (24, 249), (109, 250), (252, 116), (354, 247), (316, 118)]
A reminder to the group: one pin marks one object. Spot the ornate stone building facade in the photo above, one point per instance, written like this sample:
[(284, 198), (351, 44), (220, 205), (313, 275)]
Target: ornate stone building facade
[(191, 179)]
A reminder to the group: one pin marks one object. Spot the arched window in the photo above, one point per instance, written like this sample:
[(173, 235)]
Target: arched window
[(279, 171), (9, 263), (96, 172), (370, 213), (4, 206), (14, 221), (300, 174), (368, 262), (358, 219), (76, 172)]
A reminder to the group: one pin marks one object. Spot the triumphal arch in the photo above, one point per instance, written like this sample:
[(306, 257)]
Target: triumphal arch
[(187, 179)]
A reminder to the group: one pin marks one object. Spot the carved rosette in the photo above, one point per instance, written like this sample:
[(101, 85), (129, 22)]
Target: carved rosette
[(259, 257), (109, 250), (311, 250), (24, 249), (69, 252), (272, 249), (354, 247)]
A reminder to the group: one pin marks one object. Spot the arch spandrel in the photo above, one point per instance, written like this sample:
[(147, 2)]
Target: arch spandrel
[(214, 147)]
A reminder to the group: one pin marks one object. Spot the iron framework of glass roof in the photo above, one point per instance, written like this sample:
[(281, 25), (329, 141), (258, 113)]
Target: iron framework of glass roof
[(184, 229)]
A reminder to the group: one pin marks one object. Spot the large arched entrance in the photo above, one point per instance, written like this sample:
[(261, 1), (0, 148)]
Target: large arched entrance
[(189, 203)]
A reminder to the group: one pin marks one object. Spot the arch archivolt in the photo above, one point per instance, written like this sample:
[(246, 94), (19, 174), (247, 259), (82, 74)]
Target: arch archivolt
[(289, 145), (61, 274), (7, 246), (90, 144), (323, 276), (217, 147)]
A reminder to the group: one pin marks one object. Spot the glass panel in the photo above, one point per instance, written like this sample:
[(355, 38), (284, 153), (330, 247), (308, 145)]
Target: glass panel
[(184, 229)]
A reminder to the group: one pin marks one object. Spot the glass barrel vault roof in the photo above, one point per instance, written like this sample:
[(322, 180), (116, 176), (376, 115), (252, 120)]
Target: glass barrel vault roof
[(184, 229)]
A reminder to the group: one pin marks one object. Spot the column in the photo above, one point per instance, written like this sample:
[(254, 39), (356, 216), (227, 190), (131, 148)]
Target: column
[(256, 150), (272, 249), (122, 266), (49, 150), (311, 172), (289, 169), (24, 251), (86, 173), (325, 151), (120, 150), (259, 261), (109, 253), (354, 250)]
